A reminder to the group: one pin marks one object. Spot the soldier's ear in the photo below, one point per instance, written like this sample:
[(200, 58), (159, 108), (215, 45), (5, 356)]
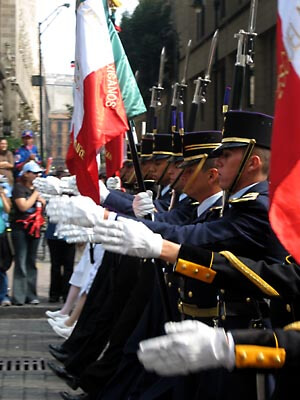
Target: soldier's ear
[(255, 163)]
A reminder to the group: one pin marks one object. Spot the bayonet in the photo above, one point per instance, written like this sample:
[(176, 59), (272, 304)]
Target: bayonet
[(179, 88), (156, 90), (202, 83), (161, 68)]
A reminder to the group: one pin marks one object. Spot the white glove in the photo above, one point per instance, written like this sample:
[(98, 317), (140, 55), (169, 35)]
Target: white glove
[(75, 233), (113, 183), (49, 185), (104, 192), (189, 346), (76, 210), (142, 204), (54, 186), (126, 236), (68, 185)]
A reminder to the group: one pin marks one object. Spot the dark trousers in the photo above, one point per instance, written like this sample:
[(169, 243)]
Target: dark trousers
[(25, 272), (62, 255), (96, 375)]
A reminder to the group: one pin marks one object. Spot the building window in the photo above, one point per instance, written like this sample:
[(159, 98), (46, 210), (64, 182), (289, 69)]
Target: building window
[(200, 24)]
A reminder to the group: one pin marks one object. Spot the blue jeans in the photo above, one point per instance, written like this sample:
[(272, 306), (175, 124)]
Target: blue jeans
[(3, 286), (25, 272)]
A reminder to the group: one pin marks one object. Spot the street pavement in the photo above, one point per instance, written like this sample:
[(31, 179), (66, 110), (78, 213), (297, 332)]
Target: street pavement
[(24, 338)]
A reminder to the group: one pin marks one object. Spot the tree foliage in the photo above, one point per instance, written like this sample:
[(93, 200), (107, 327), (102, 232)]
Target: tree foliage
[(143, 35)]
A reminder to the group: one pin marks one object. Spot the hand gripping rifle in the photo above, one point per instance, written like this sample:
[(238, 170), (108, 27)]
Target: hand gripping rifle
[(201, 84), (244, 57)]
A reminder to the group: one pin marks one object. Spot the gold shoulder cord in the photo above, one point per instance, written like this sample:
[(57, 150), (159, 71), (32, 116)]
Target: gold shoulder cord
[(252, 276), (294, 326)]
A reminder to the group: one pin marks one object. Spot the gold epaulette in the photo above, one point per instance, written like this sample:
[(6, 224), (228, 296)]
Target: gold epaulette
[(114, 3), (247, 197), (294, 326), (248, 273), (251, 356), (195, 271)]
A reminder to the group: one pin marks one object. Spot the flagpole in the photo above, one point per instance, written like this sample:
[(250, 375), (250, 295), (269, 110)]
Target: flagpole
[(142, 188)]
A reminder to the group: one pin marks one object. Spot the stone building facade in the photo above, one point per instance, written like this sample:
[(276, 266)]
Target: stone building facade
[(60, 94), (19, 100), (229, 16)]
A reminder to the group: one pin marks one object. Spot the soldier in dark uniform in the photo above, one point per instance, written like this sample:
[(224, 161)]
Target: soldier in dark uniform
[(276, 350), (244, 227)]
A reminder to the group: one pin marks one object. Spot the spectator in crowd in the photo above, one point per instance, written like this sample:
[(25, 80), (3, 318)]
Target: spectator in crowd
[(5, 262), (6, 161), (62, 255), (26, 221), (26, 152)]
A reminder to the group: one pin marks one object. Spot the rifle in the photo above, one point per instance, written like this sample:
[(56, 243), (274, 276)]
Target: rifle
[(244, 57), (202, 83), (142, 188)]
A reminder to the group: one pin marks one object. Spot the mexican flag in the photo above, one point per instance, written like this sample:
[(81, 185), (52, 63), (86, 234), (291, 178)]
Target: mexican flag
[(285, 151), (105, 94)]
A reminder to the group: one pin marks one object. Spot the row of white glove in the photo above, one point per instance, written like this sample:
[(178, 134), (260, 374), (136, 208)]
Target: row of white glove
[(188, 346), (52, 186)]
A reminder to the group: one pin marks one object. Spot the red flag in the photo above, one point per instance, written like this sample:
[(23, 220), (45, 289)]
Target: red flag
[(285, 162), (114, 156)]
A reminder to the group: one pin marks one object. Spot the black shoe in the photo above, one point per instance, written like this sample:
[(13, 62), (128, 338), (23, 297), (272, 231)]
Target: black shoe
[(59, 355), (61, 372), (57, 347), (68, 396)]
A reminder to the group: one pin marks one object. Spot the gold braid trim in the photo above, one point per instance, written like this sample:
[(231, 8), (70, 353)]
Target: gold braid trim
[(294, 326), (252, 276)]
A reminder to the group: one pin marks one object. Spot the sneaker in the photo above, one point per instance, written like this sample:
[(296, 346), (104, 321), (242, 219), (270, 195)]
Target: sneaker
[(5, 303), (63, 332), (56, 314), (34, 302), (58, 322)]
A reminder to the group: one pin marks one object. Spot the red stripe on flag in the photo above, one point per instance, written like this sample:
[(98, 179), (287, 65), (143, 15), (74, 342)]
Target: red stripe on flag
[(285, 161), (114, 156)]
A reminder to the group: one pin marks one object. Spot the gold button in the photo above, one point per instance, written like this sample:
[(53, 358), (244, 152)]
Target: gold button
[(288, 308), (169, 284), (248, 299), (178, 290), (260, 357), (207, 276), (222, 291), (223, 317), (183, 266), (277, 359), (196, 271), (243, 355), (190, 294)]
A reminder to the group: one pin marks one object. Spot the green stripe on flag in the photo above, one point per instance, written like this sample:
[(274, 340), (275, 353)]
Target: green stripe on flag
[(132, 98)]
